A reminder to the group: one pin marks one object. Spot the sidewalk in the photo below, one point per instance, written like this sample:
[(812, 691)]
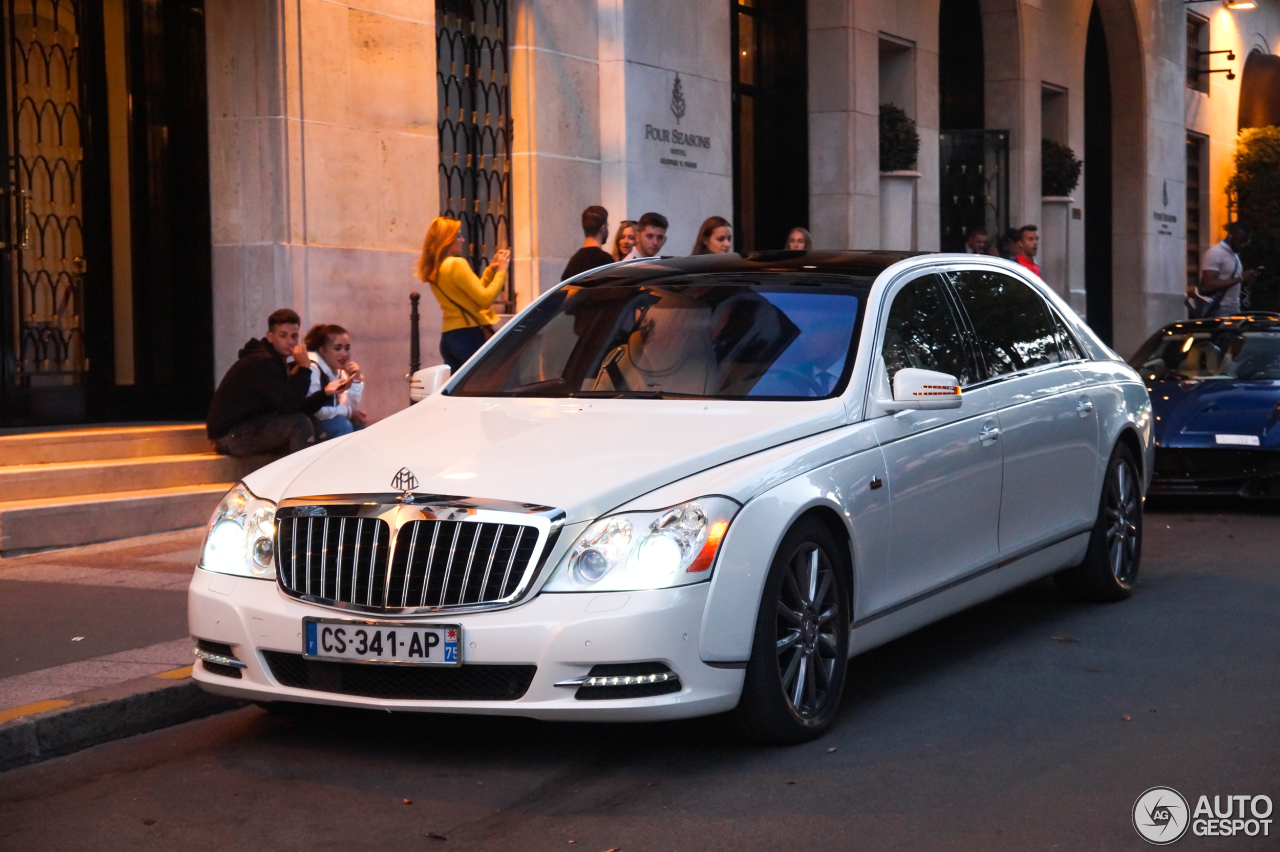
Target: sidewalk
[(95, 646)]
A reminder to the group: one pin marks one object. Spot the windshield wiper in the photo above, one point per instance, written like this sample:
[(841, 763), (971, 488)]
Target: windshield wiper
[(623, 393), (549, 387)]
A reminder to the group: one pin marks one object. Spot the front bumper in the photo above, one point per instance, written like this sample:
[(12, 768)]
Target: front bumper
[(564, 635), (1205, 470)]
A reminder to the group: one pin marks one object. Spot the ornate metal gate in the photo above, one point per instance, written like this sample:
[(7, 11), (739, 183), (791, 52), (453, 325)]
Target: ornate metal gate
[(975, 184), (473, 86), (42, 272)]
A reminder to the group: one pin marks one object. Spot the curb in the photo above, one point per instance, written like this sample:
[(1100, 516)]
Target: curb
[(102, 715)]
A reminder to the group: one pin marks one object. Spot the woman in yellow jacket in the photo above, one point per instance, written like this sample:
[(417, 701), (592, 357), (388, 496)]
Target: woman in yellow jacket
[(465, 300)]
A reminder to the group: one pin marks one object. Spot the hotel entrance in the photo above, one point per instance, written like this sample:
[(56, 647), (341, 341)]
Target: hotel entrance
[(105, 294)]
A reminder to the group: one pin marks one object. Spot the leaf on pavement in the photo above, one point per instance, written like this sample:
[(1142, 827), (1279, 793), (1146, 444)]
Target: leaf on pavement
[(830, 750), (1126, 717), (408, 801), (436, 836), (1066, 637)]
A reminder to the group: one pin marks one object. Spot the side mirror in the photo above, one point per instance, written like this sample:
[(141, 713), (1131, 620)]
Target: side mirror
[(429, 381), (923, 389)]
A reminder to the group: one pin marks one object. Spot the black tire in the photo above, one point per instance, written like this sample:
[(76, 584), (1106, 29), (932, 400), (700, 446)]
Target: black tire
[(792, 691), (1110, 567)]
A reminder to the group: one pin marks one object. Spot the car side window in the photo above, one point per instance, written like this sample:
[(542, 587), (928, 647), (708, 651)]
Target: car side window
[(1011, 321), (922, 331), (1067, 344)]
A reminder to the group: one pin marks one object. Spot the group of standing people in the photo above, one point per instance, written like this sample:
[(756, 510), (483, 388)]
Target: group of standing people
[(1017, 244)]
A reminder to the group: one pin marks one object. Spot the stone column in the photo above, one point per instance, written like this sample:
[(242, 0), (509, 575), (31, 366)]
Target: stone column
[(844, 129), (323, 158), (666, 128), (555, 97)]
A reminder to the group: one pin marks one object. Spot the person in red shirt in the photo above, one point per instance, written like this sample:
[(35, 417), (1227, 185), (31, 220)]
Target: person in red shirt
[(1026, 246)]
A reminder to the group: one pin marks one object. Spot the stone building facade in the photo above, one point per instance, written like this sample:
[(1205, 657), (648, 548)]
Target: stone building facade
[(325, 143)]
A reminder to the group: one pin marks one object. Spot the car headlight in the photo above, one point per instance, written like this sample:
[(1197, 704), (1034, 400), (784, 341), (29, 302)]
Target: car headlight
[(241, 536), (646, 550)]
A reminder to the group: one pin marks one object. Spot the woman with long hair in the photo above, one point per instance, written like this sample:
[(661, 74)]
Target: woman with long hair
[(625, 240), (466, 302), (799, 240), (714, 237)]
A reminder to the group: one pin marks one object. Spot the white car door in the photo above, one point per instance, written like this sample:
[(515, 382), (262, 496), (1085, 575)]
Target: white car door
[(943, 466), (1048, 426)]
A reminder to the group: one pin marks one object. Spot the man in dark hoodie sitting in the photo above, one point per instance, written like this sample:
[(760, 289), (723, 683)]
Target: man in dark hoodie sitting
[(262, 405)]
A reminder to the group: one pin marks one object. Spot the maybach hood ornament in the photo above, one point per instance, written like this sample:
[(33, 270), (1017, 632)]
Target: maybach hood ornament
[(404, 481)]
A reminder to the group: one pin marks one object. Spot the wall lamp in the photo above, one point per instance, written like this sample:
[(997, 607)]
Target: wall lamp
[(1230, 4)]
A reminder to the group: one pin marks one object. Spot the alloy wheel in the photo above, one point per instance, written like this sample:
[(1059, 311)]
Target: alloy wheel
[(807, 643), (1123, 513)]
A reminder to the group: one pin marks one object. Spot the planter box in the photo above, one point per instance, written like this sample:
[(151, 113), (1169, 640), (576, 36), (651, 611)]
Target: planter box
[(898, 210), (1055, 242)]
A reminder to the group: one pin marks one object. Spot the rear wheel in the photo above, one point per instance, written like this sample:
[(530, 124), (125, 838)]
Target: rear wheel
[(801, 649), (1110, 566)]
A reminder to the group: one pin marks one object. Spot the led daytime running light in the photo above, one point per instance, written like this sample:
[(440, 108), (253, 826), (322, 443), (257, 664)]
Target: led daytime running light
[(631, 680)]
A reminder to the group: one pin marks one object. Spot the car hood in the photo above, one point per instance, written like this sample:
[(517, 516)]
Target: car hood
[(1191, 412), (583, 456)]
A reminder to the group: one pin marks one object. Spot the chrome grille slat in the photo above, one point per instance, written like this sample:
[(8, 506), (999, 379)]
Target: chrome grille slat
[(337, 592), (462, 563), (373, 559), (426, 572), (324, 554), (484, 582), (448, 566), (408, 571), (502, 590)]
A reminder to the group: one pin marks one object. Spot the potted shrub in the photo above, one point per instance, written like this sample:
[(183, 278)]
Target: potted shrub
[(1059, 169), (1059, 175), (899, 149), (1256, 187)]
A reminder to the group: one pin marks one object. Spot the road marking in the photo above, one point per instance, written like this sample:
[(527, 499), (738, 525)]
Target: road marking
[(64, 680), (30, 709), (176, 674)]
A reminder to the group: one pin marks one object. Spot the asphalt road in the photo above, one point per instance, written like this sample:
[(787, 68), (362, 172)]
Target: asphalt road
[(1002, 728)]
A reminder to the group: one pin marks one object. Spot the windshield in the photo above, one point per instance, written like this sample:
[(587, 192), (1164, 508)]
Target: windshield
[(1224, 354), (701, 336)]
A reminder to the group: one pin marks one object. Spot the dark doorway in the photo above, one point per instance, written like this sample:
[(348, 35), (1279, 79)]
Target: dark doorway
[(770, 122), (960, 70), (974, 163), (1097, 180), (105, 281)]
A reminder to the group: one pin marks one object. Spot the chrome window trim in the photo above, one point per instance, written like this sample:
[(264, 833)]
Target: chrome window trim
[(391, 508)]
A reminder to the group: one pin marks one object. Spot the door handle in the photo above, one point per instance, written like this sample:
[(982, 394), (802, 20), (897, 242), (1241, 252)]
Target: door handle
[(1084, 406), (989, 434)]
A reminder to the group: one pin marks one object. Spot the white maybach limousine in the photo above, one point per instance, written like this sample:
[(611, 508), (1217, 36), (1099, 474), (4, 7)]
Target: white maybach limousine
[(679, 487)]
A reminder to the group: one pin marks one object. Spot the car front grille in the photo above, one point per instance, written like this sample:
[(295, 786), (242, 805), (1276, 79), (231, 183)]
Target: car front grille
[(436, 564), (423, 683), (1197, 470)]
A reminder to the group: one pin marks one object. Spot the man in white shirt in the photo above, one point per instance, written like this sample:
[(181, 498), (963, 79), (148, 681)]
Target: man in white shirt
[(651, 236), (1221, 269), (975, 242)]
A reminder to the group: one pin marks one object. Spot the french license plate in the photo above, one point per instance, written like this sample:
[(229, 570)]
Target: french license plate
[(1237, 440), (373, 642)]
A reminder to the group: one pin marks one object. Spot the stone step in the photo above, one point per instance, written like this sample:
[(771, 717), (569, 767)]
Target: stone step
[(108, 442), (31, 525), (66, 479)]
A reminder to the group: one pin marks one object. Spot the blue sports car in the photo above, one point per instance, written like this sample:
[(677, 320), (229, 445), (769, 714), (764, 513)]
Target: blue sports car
[(1215, 389)]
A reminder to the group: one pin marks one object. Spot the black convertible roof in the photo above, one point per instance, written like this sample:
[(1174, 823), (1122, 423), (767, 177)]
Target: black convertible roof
[(862, 264)]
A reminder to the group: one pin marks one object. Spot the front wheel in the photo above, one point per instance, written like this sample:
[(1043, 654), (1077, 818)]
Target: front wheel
[(801, 649), (1110, 566)]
